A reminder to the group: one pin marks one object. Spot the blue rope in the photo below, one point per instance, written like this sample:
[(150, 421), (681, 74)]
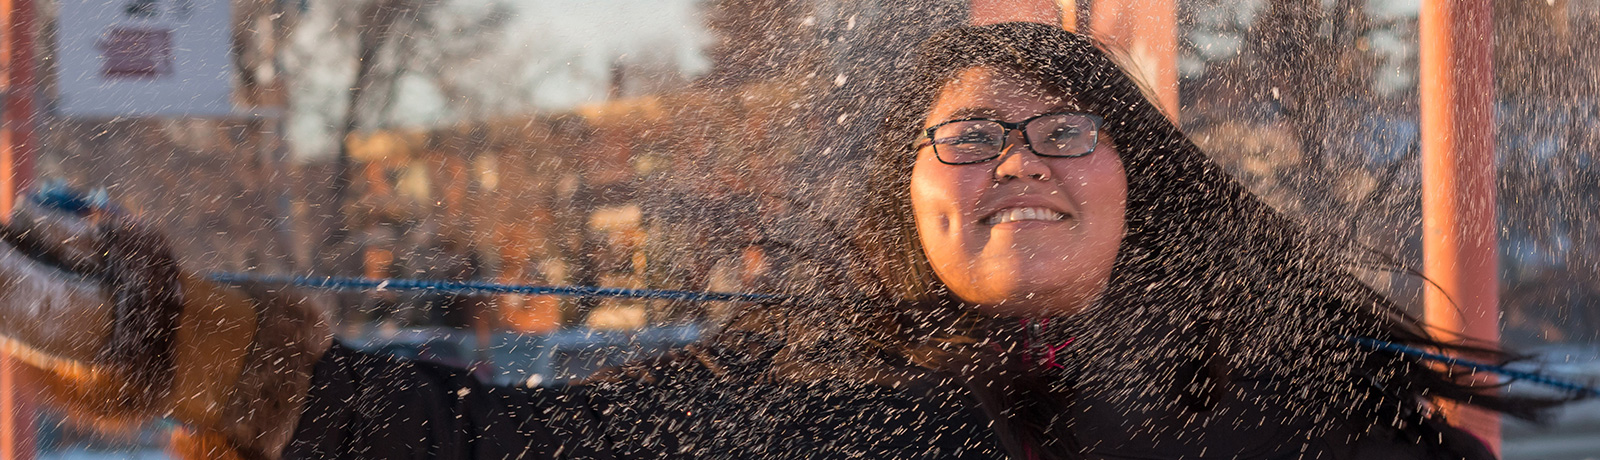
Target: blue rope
[(472, 287), (468, 287), (57, 195), (1581, 390)]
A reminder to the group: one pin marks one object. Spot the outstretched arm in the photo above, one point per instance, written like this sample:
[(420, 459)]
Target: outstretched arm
[(119, 333)]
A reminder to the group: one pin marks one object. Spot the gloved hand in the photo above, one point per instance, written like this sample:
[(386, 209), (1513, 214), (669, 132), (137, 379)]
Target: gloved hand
[(50, 306), (120, 333), (92, 292)]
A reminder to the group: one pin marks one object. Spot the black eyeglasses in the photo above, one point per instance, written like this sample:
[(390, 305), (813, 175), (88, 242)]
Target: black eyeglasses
[(976, 140)]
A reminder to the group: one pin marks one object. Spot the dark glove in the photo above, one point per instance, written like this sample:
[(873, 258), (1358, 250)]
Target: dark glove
[(89, 284), (85, 290)]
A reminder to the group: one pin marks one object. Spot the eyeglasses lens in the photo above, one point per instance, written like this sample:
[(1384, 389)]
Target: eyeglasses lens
[(968, 141), (1062, 135)]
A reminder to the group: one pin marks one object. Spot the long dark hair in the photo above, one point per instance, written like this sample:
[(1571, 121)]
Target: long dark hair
[(1207, 277)]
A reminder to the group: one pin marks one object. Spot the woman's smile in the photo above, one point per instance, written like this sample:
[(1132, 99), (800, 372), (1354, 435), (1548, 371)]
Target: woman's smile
[(1025, 214), (1025, 208)]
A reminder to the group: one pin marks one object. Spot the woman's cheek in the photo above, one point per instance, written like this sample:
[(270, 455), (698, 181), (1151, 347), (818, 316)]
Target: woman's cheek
[(937, 199), (934, 201), (935, 226)]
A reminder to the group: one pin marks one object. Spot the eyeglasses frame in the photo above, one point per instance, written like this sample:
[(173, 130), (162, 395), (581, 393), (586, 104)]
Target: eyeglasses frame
[(1005, 136)]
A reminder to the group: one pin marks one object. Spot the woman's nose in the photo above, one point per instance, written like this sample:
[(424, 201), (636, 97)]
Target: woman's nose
[(1018, 160)]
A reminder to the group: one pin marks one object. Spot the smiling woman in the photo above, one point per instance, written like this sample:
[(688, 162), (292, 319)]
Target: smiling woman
[(1130, 300), (1051, 270), (1017, 231)]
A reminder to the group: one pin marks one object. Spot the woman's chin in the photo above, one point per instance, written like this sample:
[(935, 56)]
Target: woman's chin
[(1025, 305)]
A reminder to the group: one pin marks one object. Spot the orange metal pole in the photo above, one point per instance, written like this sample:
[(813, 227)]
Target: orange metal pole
[(1146, 30), (1460, 251), (1069, 14), (998, 11), (16, 144), (20, 86)]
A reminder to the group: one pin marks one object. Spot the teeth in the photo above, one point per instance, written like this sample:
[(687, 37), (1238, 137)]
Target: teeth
[(1021, 214)]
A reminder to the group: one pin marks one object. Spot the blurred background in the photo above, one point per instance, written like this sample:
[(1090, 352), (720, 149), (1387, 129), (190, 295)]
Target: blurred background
[(713, 144)]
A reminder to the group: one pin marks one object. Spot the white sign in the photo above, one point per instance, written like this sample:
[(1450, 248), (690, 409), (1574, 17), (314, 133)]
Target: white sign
[(145, 57)]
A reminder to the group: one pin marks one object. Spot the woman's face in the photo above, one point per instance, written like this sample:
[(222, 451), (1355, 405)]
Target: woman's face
[(1019, 235)]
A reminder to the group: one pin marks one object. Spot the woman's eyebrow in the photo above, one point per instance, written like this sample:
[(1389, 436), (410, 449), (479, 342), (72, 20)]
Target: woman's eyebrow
[(974, 112), (966, 113), (1066, 106)]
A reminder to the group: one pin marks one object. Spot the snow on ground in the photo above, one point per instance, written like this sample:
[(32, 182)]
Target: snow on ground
[(1573, 432)]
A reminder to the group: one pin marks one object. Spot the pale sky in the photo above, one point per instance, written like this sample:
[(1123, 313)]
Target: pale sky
[(551, 55)]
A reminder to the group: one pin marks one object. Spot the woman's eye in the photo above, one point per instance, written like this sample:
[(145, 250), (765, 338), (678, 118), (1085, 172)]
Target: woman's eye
[(1064, 133), (975, 137)]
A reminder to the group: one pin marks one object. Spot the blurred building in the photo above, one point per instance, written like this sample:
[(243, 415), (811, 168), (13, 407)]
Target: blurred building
[(744, 178)]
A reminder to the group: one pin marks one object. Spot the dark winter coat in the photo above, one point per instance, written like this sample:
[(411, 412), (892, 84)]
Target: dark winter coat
[(720, 403), (370, 407)]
